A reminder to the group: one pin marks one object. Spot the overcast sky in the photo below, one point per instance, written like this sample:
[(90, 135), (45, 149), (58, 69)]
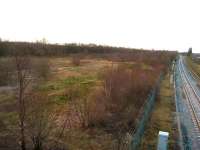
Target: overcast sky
[(158, 24)]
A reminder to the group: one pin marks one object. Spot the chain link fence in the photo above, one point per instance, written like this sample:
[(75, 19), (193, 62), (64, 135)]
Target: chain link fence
[(133, 138)]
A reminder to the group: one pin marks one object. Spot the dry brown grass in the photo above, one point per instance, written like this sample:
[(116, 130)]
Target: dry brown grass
[(78, 98), (62, 67)]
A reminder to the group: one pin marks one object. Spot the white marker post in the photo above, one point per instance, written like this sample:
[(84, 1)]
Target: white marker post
[(162, 140)]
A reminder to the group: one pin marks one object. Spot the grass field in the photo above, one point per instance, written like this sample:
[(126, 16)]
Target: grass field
[(64, 76), (90, 105)]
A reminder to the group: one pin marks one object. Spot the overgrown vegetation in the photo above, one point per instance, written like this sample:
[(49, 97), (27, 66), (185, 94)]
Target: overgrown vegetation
[(193, 64), (87, 100)]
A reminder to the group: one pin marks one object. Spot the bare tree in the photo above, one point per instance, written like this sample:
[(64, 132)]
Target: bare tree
[(39, 121), (23, 70)]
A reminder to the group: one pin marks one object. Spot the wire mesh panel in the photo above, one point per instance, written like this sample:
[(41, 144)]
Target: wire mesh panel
[(186, 125), (144, 117)]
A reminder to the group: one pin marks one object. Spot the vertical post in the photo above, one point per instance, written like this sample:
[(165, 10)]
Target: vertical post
[(162, 140)]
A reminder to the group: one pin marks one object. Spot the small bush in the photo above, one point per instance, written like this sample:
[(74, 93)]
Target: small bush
[(76, 60), (6, 71), (41, 69), (119, 100)]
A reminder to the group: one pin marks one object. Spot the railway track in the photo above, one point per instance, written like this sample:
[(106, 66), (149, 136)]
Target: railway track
[(193, 102), (193, 74), (188, 81), (192, 110)]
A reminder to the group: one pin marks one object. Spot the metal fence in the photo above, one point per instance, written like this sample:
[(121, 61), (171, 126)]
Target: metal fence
[(144, 116), (182, 115)]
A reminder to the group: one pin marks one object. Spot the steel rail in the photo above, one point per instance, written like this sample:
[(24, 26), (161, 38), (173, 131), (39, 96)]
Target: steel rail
[(188, 81), (192, 108), (194, 113)]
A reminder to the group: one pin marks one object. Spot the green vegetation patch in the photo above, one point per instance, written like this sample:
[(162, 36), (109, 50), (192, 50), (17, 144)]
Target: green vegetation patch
[(6, 99), (69, 88), (70, 81), (74, 68), (9, 118), (78, 80), (146, 67)]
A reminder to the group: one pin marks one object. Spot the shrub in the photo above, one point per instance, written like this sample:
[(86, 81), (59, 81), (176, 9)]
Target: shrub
[(76, 60), (39, 121), (41, 68), (123, 93), (6, 71)]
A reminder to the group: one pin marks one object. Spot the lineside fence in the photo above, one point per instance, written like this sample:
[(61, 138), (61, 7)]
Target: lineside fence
[(144, 115)]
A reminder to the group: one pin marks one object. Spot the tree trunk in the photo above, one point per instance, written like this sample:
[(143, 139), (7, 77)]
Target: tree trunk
[(21, 110), (23, 143)]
